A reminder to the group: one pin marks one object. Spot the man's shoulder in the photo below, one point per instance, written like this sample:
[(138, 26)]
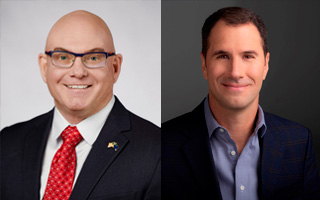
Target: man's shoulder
[(279, 123), (120, 114), (13, 137), (177, 123), (144, 137), (139, 122), (144, 130), (188, 125), (190, 120), (23, 127), (286, 130), (140, 130), (144, 127)]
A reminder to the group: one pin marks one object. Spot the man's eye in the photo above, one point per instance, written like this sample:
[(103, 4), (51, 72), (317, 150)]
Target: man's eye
[(222, 57), (93, 58), (248, 56), (63, 57)]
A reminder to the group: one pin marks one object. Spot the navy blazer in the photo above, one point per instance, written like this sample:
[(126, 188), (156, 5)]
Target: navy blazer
[(131, 172), (287, 164)]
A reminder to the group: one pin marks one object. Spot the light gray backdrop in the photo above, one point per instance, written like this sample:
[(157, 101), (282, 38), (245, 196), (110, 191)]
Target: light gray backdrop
[(291, 89), (136, 29)]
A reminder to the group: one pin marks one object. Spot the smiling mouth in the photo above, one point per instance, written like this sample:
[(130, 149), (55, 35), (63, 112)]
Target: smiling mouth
[(78, 86), (235, 86)]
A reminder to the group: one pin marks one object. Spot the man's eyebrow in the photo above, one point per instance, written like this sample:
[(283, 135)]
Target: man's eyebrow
[(219, 52), (251, 52), (60, 49)]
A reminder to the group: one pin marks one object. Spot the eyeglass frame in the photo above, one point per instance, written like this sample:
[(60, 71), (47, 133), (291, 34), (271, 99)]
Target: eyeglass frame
[(78, 55)]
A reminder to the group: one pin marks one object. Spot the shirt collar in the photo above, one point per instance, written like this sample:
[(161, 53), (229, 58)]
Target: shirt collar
[(89, 128), (212, 123)]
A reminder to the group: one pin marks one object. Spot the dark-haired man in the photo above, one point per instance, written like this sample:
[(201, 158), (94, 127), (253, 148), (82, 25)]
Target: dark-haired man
[(228, 147)]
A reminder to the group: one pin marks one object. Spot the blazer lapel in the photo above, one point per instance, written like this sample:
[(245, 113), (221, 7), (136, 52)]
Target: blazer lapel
[(101, 157), (33, 155), (271, 159), (198, 153)]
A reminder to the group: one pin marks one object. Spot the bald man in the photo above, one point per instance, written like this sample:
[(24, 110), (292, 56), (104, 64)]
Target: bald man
[(89, 146)]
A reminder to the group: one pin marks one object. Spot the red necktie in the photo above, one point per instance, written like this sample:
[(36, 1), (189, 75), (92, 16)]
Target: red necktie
[(63, 166)]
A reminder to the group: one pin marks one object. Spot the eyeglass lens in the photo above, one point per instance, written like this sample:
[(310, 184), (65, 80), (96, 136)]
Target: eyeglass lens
[(92, 60)]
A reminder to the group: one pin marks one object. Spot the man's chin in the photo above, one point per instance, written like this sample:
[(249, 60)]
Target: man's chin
[(238, 105), (75, 108)]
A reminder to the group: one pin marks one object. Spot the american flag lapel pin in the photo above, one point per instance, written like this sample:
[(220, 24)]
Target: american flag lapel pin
[(113, 145)]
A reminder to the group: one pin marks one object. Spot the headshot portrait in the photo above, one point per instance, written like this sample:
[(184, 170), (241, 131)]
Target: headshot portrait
[(24, 29), (80, 100), (227, 66)]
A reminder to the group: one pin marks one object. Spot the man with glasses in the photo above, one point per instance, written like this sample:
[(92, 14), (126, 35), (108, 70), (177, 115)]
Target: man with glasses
[(228, 147), (89, 145)]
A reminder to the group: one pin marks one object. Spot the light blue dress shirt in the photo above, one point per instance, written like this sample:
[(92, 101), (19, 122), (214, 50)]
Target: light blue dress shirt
[(237, 175)]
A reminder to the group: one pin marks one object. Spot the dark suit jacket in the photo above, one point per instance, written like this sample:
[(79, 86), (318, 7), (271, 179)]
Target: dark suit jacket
[(131, 172), (287, 165)]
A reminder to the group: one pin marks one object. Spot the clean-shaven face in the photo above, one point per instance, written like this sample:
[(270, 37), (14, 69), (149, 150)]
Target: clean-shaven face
[(78, 91), (235, 65)]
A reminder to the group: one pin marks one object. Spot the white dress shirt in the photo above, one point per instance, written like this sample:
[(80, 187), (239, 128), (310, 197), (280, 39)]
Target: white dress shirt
[(89, 128)]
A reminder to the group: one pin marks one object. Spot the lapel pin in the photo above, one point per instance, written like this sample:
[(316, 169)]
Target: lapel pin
[(113, 145)]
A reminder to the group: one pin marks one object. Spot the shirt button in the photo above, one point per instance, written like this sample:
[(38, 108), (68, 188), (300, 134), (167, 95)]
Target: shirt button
[(233, 153), (221, 130), (242, 187)]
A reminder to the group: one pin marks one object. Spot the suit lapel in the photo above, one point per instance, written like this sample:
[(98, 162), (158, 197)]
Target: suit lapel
[(101, 157), (33, 155), (271, 158), (198, 153)]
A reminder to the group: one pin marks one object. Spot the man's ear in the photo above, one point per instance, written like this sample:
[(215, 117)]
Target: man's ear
[(204, 66), (266, 66), (116, 64), (43, 64)]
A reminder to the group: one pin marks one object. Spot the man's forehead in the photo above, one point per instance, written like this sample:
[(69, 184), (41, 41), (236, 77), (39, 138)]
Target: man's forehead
[(223, 34), (80, 28), (222, 25)]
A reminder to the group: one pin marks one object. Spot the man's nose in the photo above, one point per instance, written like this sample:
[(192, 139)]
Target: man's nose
[(236, 68), (78, 69)]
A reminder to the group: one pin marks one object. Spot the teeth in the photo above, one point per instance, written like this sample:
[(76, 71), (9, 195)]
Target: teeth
[(78, 86)]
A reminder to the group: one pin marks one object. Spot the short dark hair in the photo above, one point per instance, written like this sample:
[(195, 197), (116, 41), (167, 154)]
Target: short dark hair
[(233, 16)]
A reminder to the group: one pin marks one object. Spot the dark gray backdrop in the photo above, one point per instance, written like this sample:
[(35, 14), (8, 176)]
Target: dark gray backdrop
[(291, 89)]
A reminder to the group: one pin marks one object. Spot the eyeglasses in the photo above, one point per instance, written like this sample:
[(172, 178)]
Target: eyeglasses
[(90, 60)]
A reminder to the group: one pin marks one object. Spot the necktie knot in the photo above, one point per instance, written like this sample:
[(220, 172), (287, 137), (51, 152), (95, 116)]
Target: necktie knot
[(71, 136)]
